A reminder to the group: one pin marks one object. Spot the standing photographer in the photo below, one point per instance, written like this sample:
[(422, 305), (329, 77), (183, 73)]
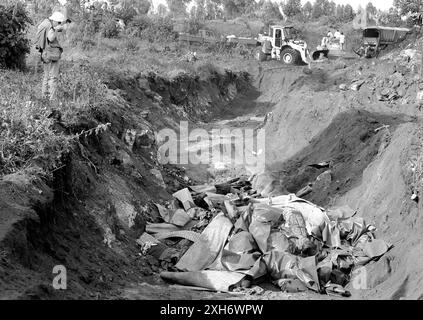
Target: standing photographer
[(48, 45)]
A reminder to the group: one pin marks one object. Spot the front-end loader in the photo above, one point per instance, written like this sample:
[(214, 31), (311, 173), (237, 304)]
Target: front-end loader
[(281, 44)]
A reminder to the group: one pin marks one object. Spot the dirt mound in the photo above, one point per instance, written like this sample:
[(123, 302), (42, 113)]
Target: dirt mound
[(81, 227), (353, 131), (384, 198), (307, 104), (347, 146)]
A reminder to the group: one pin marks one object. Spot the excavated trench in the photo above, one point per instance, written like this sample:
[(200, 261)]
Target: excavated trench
[(89, 218), (354, 140)]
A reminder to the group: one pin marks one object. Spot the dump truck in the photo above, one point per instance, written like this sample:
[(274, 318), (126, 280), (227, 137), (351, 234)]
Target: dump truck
[(203, 36), (284, 46), (207, 36), (378, 38), (249, 42)]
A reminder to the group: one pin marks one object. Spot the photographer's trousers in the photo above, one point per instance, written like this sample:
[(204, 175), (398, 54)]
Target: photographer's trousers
[(50, 78)]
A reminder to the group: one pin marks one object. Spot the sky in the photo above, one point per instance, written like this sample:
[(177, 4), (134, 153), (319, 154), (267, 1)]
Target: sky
[(379, 4)]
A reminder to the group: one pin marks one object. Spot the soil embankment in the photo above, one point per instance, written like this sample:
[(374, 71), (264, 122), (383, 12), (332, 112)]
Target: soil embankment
[(361, 120), (370, 145), (89, 216)]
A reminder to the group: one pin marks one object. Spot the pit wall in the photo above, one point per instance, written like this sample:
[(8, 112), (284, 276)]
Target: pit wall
[(89, 216), (305, 105)]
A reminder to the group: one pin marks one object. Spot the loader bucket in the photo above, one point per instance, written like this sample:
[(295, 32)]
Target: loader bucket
[(319, 54)]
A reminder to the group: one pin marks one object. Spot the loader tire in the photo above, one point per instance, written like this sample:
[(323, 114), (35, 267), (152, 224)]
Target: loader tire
[(259, 55), (290, 56)]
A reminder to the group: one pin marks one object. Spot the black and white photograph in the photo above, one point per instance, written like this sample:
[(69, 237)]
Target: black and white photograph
[(213, 157)]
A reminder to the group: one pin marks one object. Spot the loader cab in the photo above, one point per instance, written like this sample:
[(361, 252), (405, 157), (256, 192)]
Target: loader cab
[(281, 34), (278, 38)]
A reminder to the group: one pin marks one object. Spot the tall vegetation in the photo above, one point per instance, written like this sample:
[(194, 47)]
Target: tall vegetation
[(14, 44)]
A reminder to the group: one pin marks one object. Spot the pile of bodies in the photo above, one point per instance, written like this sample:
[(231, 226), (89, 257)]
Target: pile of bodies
[(236, 239)]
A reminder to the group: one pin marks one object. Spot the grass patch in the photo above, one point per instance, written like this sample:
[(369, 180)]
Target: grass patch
[(27, 137)]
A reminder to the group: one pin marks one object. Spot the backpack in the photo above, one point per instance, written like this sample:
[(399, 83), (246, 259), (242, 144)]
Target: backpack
[(40, 40)]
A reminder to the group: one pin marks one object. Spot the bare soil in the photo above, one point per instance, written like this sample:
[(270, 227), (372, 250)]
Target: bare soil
[(89, 217)]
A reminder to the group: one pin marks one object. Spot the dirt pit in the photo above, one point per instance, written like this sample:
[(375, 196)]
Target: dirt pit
[(346, 147), (345, 151)]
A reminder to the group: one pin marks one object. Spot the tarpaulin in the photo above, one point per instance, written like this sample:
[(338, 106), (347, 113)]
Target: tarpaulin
[(314, 216), (184, 196), (211, 279), (166, 227), (240, 253), (263, 219), (204, 252), (185, 234), (178, 217), (203, 188), (331, 235), (281, 236), (282, 265)]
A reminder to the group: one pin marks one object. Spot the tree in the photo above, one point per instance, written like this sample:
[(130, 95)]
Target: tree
[(371, 9), (14, 23), (177, 7), (391, 18), (211, 11), (161, 10), (339, 12), (238, 7), (193, 12), (269, 11), (292, 7), (318, 9), (307, 9), (251, 9), (200, 12), (332, 9), (230, 8), (348, 13), (408, 6), (138, 6)]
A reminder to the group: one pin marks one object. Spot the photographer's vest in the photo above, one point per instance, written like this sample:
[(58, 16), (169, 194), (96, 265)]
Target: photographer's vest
[(50, 50)]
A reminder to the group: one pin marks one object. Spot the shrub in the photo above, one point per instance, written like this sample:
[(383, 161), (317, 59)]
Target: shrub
[(110, 29), (126, 13), (138, 25), (160, 30), (192, 26), (206, 70), (154, 29), (83, 94), (14, 45), (131, 44), (26, 132), (91, 23)]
